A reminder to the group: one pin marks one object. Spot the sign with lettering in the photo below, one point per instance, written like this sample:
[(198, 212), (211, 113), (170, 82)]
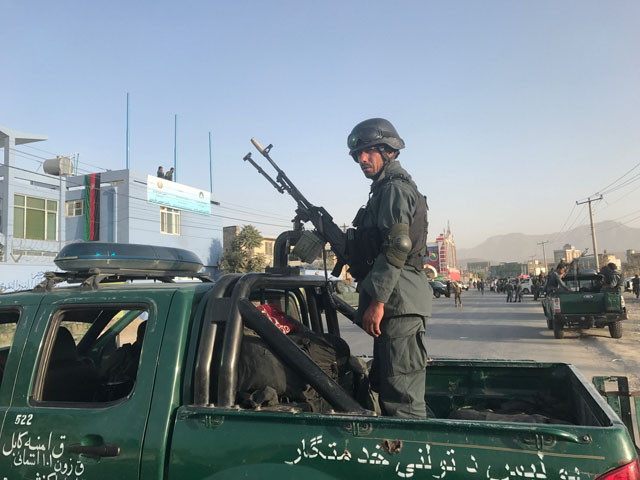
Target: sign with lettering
[(175, 195)]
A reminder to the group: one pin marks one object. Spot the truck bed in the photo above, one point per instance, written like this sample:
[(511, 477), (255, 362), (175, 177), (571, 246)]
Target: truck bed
[(582, 439), (547, 392)]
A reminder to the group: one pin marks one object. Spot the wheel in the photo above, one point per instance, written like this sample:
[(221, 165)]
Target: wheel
[(615, 329), (558, 332), (436, 294), (526, 291)]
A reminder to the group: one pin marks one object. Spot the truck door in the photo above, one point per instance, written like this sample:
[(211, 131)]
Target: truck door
[(15, 323), (274, 440), (84, 386)]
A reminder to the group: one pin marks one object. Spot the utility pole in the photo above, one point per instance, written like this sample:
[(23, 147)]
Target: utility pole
[(175, 148), (210, 166), (593, 228), (544, 256), (127, 137)]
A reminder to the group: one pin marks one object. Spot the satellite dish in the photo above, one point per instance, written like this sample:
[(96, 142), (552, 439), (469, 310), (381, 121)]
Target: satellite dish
[(58, 166)]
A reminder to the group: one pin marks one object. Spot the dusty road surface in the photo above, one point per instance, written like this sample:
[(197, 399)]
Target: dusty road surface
[(488, 327)]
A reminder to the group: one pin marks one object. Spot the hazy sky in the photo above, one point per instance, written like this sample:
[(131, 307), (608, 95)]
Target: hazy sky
[(510, 110)]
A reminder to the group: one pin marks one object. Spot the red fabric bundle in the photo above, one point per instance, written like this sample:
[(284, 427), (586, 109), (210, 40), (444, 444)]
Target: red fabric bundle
[(278, 318)]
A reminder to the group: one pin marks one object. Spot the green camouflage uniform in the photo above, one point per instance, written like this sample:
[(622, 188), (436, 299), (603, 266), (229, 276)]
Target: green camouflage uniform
[(400, 354)]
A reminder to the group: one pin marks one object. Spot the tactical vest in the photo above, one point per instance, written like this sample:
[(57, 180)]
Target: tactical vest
[(366, 243)]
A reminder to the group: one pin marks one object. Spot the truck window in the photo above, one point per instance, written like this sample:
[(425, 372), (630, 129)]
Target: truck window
[(91, 354), (289, 301), (8, 325), (267, 383)]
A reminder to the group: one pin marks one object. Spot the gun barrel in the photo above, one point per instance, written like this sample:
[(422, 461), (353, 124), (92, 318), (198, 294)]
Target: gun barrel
[(257, 145), (248, 158), (306, 211)]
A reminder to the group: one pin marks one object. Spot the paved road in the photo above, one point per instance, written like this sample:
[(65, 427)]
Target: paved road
[(488, 327)]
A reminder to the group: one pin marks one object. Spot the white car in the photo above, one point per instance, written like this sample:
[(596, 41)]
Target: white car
[(628, 285), (527, 286)]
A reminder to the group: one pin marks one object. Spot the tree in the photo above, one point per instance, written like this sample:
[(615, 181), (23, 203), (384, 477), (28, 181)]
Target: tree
[(240, 257)]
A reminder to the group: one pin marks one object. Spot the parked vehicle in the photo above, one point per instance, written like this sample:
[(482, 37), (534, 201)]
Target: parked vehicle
[(77, 402), (628, 284), (585, 307), (527, 286), (439, 288)]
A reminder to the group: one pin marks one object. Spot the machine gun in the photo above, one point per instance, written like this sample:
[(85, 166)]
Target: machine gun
[(308, 245)]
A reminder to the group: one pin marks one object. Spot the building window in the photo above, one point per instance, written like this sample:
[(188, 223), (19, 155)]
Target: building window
[(169, 221), (75, 208), (35, 218)]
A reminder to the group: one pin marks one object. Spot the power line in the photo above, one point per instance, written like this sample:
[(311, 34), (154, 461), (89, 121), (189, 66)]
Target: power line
[(256, 210), (56, 154), (266, 214), (40, 150), (621, 198), (123, 195), (602, 191), (20, 155), (626, 183)]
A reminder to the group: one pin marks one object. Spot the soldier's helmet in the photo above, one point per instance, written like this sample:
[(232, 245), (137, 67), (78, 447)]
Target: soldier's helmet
[(373, 132)]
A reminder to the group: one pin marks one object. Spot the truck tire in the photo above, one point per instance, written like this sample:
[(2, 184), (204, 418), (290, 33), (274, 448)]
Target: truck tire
[(615, 329), (436, 294), (558, 332)]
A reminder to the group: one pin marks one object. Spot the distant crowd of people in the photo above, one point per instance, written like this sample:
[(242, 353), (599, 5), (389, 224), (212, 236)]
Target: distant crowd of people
[(609, 279), (166, 176)]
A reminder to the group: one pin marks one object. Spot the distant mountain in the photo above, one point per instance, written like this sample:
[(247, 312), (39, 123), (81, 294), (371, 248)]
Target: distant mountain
[(613, 237)]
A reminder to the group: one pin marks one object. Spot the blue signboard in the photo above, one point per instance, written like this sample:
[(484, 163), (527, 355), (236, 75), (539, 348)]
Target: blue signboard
[(175, 195)]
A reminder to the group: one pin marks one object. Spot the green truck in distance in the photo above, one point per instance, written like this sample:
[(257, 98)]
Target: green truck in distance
[(586, 306), (107, 379)]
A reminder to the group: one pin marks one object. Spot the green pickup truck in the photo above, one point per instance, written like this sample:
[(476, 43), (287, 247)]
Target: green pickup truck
[(125, 373), (586, 306)]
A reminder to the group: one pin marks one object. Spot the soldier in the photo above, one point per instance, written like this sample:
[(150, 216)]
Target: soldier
[(457, 291), (635, 282), (535, 288), (518, 292), (554, 280), (509, 289), (160, 172), (169, 174), (611, 278), (395, 295)]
